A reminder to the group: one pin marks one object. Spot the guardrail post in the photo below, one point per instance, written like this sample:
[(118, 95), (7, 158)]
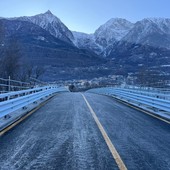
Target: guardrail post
[(9, 86)]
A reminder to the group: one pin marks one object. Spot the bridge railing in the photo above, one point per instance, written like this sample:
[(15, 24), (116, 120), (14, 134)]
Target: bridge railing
[(7, 85), (150, 89), (15, 94), (24, 98), (155, 102), (165, 94)]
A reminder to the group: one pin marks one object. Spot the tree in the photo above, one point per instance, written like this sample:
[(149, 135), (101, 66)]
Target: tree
[(10, 62), (29, 69), (2, 34), (39, 71), (1, 48), (26, 71), (150, 78), (141, 77)]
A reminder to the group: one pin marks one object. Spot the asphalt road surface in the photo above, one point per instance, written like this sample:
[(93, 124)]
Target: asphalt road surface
[(63, 135)]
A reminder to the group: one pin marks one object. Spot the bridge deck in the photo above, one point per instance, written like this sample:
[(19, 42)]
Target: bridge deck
[(63, 135)]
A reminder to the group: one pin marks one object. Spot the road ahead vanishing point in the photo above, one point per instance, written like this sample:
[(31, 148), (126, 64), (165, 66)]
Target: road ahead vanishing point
[(75, 131)]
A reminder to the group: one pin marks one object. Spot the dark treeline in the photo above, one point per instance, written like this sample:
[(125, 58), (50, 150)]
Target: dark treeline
[(11, 62)]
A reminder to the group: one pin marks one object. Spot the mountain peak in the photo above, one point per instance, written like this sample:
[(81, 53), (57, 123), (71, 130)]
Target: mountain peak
[(49, 22), (113, 30), (118, 23), (117, 20), (48, 12), (158, 21)]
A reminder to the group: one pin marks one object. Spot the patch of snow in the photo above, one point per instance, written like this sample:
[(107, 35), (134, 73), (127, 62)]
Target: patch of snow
[(41, 38), (82, 40), (153, 54), (165, 65)]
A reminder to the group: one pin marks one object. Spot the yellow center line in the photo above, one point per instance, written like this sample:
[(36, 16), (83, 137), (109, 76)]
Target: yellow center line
[(111, 147)]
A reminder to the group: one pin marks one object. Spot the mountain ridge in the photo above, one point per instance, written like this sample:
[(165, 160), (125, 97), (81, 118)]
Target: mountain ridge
[(50, 23), (107, 35), (125, 45)]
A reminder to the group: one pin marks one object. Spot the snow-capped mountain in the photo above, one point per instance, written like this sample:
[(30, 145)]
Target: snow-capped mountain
[(122, 44), (146, 37), (104, 37), (50, 23), (146, 45), (150, 31), (154, 32), (87, 41), (113, 30)]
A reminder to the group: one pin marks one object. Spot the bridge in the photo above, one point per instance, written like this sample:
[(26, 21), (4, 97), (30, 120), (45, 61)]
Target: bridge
[(106, 128)]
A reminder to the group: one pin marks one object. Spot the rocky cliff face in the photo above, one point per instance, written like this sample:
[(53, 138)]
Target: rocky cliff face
[(50, 23)]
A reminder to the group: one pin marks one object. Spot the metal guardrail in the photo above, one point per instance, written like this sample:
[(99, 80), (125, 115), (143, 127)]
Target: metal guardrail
[(9, 106), (7, 85), (148, 89), (159, 95), (15, 94), (141, 100)]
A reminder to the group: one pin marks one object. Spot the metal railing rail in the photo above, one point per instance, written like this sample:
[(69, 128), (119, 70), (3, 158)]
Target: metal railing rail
[(12, 105), (147, 93), (16, 81), (150, 101), (140, 100), (148, 89), (22, 92), (13, 85)]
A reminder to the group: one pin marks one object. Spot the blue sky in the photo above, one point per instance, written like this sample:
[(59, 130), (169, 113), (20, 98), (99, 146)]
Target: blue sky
[(87, 15)]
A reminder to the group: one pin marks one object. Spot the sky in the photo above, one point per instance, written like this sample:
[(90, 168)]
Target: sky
[(87, 15)]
